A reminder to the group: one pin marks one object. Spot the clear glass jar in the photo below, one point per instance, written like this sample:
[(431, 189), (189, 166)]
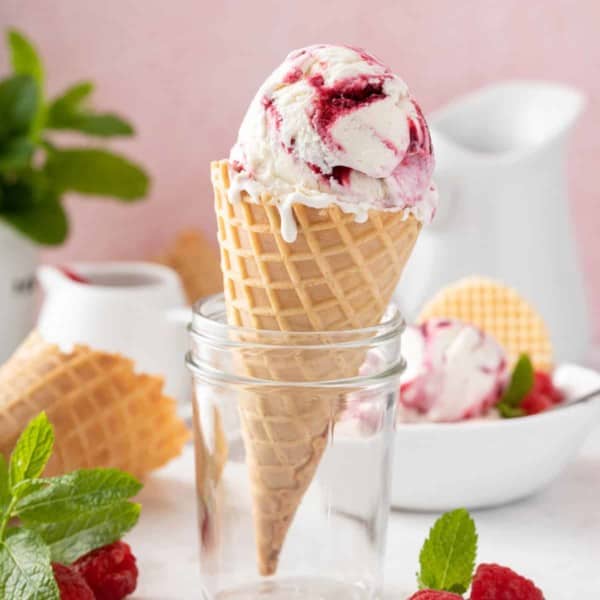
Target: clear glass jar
[(300, 508)]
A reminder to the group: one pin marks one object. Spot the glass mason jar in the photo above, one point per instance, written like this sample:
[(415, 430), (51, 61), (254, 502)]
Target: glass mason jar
[(293, 436)]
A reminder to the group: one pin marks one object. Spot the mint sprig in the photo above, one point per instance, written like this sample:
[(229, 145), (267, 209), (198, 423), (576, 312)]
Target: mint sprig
[(34, 171), (25, 568), (447, 558), (521, 383), (55, 519)]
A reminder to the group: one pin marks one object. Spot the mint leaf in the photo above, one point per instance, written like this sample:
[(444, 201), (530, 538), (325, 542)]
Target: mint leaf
[(4, 486), (96, 172), (521, 383), (18, 105), (35, 212), (26, 61), (24, 58), (509, 412), (67, 113), (102, 125), (25, 569), (32, 451), (81, 491), (90, 529), (73, 96), (447, 558), (16, 153)]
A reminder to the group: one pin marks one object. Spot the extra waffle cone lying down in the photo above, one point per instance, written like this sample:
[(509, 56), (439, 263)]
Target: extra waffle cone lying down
[(338, 274), (104, 414)]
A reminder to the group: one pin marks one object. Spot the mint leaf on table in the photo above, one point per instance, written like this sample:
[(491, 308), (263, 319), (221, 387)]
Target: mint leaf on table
[(4, 485), (521, 383), (96, 172), (19, 100), (70, 495), (91, 529), (57, 519), (25, 568), (32, 451), (81, 511), (68, 113), (24, 58), (447, 558)]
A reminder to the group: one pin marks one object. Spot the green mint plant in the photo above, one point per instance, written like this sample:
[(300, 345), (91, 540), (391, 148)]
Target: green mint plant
[(55, 519), (447, 558), (35, 172)]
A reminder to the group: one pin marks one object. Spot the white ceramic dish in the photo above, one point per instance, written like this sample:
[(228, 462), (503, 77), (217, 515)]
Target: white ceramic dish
[(473, 464)]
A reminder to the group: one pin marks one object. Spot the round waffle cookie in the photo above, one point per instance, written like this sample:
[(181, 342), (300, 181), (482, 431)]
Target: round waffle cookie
[(498, 310)]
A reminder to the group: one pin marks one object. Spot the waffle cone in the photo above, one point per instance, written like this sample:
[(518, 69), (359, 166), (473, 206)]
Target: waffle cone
[(104, 414), (196, 261), (338, 274), (499, 311)]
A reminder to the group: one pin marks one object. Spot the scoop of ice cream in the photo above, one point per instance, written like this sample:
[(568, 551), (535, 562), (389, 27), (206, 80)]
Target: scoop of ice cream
[(333, 125), (455, 371)]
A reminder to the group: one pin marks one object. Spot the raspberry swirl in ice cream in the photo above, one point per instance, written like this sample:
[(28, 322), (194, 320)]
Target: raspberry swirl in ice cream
[(332, 125), (455, 371)]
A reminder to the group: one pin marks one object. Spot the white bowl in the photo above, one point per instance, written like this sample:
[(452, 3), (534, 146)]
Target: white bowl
[(472, 464)]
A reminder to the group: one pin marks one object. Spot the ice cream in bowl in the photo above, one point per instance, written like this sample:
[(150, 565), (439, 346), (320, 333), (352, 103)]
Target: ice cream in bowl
[(484, 415)]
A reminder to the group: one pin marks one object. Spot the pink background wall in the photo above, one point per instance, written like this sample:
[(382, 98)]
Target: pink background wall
[(185, 70)]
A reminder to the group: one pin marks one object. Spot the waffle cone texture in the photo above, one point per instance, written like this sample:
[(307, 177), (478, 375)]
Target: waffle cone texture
[(196, 261), (104, 414), (337, 275), (498, 310)]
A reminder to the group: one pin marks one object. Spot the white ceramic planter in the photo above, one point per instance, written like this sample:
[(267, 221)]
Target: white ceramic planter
[(18, 262)]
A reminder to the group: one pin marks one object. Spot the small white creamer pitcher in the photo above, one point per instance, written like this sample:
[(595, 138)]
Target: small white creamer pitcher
[(135, 309)]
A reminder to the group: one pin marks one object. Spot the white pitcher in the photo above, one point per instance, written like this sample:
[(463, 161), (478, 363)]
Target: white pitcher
[(504, 209), (136, 309)]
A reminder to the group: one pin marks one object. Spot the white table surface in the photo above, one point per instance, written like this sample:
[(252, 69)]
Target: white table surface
[(553, 537)]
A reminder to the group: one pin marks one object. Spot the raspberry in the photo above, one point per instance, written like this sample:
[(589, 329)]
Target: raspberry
[(493, 582), (542, 396), (434, 595), (536, 402), (543, 383), (71, 584), (110, 571)]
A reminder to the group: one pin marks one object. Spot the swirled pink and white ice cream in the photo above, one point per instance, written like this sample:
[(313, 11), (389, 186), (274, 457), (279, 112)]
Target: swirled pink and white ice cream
[(333, 125), (455, 371)]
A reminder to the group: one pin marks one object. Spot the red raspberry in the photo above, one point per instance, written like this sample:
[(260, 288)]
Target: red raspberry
[(71, 584), (543, 383), (493, 582), (434, 595), (110, 571), (536, 402), (542, 396)]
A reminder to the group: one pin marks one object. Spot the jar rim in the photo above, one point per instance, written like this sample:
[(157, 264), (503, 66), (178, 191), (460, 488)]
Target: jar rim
[(225, 377), (208, 323)]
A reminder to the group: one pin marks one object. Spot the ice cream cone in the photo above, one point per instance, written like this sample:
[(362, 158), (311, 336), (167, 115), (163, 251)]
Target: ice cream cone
[(104, 414), (196, 261), (338, 274)]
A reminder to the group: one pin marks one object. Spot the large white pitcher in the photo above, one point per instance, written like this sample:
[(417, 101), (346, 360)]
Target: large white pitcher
[(504, 209)]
